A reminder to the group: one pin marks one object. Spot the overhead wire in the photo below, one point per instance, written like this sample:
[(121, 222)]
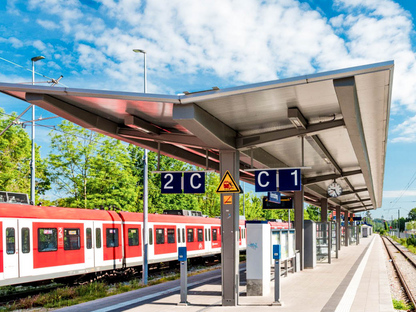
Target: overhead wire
[(28, 69), (408, 185), (53, 128)]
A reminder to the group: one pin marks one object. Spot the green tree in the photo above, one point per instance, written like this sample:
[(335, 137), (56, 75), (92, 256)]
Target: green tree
[(91, 170), (313, 213), (412, 214), (15, 158)]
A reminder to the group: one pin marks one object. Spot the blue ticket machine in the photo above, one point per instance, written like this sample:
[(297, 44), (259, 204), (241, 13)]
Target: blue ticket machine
[(182, 257), (276, 256)]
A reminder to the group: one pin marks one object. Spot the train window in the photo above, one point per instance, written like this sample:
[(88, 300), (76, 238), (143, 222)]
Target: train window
[(171, 236), (179, 235), (160, 236), (97, 238), (150, 237), (209, 235), (200, 235), (25, 240), (183, 235), (10, 241), (47, 240), (133, 237), (214, 235), (190, 235), (89, 238), (206, 236), (72, 239), (111, 237)]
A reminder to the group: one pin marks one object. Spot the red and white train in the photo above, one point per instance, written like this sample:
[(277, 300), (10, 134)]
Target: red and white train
[(40, 243)]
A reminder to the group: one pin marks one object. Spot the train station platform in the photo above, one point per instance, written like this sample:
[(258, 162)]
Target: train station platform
[(356, 281)]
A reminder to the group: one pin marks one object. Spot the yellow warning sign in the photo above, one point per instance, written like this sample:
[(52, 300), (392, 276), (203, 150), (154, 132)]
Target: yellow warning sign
[(228, 199), (227, 184)]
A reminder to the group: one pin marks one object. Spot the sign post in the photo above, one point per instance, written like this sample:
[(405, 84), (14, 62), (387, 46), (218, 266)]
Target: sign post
[(276, 257), (184, 275)]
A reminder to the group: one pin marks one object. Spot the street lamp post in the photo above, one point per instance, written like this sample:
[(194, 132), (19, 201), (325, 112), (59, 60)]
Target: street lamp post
[(145, 190), (32, 162)]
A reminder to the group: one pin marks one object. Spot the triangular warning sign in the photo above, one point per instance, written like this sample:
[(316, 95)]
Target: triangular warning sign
[(227, 184)]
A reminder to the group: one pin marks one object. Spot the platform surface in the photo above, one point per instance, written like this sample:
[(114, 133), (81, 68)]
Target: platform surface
[(356, 281)]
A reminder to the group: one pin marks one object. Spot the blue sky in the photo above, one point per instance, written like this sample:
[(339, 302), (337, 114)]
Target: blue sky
[(195, 45)]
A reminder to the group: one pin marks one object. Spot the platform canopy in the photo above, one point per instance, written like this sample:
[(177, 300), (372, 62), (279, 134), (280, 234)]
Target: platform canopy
[(342, 115)]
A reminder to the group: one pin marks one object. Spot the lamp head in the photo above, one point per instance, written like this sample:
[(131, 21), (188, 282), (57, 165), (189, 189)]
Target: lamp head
[(37, 58), (139, 51)]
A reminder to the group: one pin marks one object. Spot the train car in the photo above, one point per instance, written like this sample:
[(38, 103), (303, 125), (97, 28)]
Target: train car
[(39, 243)]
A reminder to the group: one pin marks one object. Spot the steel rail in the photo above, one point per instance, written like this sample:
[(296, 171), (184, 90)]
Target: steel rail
[(399, 273)]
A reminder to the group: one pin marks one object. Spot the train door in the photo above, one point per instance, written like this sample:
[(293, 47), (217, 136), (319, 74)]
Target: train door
[(11, 247), (26, 245), (98, 244), (88, 244)]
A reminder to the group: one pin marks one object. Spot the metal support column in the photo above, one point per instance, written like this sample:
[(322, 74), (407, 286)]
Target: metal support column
[(347, 229), (230, 160), (299, 226), (324, 209), (338, 220)]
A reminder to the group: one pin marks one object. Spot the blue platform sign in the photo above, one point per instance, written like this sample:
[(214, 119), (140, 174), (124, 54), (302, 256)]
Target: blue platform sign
[(276, 252), (266, 180), (274, 197), (290, 180), (194, 182), (182, 253), (171, 182)]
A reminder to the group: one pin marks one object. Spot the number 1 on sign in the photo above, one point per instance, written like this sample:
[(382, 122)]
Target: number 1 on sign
[(295, 173)]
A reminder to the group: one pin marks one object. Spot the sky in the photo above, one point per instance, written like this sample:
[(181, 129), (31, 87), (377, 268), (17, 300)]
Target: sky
[(194, 45)]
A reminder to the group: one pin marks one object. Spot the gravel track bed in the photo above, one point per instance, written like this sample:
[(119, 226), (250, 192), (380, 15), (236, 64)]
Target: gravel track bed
[(407, 270)]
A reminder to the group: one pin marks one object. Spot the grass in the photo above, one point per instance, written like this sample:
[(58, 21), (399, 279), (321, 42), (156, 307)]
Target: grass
[(67, 296), (400, 305)]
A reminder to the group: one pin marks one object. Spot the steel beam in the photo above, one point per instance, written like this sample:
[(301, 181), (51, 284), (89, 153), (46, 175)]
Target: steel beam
[(266, 138), (317, 179), (355, 191), (299, 225), (230, 216), (72, 113), (173, 138), (324, 209), (320, 148), (346, 91), (205, 126), (338, 220), (140, 124)]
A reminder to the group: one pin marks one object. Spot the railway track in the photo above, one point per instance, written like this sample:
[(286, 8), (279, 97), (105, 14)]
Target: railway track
[(405, 266)]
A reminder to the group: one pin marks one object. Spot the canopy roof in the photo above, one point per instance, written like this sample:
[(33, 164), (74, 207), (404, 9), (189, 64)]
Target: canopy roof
[(343, 116)]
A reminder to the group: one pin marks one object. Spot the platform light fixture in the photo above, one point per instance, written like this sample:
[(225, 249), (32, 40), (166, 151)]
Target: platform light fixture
[(296, 118), (32, 162), (145, 187)]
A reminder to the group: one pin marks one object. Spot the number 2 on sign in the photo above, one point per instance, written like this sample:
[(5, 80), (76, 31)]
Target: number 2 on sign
[(295, 173)]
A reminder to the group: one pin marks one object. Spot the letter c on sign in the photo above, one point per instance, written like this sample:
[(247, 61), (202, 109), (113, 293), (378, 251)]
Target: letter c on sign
[(192, 181), (259, 179)]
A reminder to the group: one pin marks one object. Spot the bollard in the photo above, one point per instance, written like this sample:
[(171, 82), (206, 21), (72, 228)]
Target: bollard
[(184, 275), (276, 257)]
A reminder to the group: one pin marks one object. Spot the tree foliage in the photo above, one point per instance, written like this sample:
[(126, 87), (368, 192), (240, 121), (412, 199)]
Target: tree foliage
[(15, 158), (91, 170), (412, 214)]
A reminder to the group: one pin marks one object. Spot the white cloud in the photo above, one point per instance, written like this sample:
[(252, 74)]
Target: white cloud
[(238, 41), (47, 24), (400, 193)]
